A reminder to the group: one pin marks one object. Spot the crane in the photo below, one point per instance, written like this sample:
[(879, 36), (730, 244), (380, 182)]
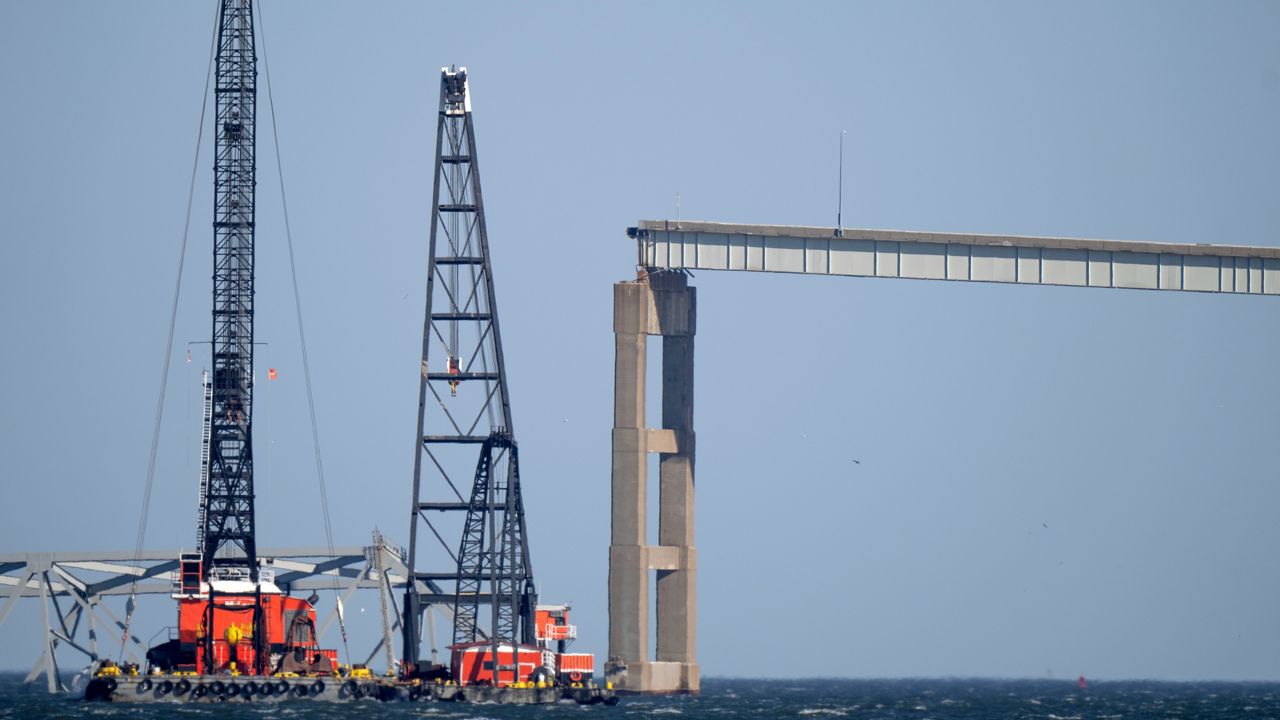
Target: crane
[(464, 400), (227, 539)]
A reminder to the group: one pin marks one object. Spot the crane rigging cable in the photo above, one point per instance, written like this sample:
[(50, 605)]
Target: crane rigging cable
[(168, 348), (297, 304)]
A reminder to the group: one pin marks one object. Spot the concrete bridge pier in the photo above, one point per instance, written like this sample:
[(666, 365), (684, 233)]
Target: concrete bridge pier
[(657, 303)]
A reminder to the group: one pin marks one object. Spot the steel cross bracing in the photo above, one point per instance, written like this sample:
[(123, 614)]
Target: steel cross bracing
[(77, 591), (463, 405), (491, 554), (227, 506)]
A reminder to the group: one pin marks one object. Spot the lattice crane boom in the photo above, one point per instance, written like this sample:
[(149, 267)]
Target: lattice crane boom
[(463, 403), (228, 515)]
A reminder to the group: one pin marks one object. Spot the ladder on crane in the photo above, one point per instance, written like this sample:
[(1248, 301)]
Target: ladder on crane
[(205, 420)]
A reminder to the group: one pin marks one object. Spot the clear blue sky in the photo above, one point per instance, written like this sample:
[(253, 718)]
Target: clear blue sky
[(1052, 479)]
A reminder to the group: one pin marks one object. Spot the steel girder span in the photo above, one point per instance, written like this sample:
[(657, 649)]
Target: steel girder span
[(661, 302), (74, 590), (1243, 269)]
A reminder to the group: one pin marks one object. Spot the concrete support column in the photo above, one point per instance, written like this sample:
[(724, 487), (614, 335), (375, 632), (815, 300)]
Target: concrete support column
[(628, 570), (659, 303), (677, 589)]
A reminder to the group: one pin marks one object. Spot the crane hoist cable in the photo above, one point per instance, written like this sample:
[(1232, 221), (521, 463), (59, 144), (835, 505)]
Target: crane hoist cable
[(302, 336), (131, 604)]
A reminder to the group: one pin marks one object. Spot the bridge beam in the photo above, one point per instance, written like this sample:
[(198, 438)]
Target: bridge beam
[(1022, 260), (661, 304)]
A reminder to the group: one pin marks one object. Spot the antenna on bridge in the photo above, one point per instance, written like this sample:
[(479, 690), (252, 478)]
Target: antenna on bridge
[(840, 191)]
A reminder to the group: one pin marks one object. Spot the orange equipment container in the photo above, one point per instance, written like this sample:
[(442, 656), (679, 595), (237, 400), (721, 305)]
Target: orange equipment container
[(473, 663), (575, 667), (289, 623)]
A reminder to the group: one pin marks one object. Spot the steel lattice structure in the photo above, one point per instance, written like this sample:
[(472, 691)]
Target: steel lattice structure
[(78, 590), (227, 541), (495, 499), (228, 504), (227, 535), (463, 402)]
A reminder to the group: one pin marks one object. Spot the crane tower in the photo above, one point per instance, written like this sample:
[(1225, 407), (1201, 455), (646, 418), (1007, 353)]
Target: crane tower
[(226, 542), (464, 416), (227, 538)]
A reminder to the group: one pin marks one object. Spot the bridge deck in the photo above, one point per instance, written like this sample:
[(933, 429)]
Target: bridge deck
[(955, 256)]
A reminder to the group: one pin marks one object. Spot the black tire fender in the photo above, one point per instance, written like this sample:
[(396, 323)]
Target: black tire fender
[(349, 689), (182, 687), (217, 687), (111, 685), (165, 687), (317, 687), (299, 691)]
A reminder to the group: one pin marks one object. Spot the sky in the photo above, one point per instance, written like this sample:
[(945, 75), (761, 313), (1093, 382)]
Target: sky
[(1052, 481)]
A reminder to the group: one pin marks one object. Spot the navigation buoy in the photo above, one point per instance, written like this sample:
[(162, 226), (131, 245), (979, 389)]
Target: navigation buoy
[(1082, 683)]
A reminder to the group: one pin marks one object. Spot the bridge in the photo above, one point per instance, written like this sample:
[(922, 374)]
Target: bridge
[(660, 302)]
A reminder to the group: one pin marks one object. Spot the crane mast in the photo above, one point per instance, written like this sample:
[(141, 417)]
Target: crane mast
[(227, 536), (463, 406), (227, 542)]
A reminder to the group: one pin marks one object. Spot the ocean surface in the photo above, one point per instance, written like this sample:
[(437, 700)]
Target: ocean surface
[(724, 699)]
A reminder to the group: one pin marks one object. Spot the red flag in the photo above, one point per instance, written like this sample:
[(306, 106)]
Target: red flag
[(271, 374)]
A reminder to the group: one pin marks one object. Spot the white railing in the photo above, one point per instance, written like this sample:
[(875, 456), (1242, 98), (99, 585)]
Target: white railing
[(551, 631)]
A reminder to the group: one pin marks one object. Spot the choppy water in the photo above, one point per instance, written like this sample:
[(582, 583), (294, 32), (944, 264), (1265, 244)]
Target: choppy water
[(729, 699)]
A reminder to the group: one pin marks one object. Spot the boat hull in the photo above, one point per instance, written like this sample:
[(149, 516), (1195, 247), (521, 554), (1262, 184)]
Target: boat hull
[(223, 689)]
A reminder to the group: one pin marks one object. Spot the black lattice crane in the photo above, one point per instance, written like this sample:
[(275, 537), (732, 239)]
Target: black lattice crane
[(464, 415), (227, 543)]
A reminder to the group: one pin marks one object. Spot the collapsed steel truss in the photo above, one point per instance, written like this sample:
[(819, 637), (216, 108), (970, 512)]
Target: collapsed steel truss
[(74, 589), (463, 403)]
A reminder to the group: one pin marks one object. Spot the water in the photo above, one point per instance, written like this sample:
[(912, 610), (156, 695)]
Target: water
[(756, 699)]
